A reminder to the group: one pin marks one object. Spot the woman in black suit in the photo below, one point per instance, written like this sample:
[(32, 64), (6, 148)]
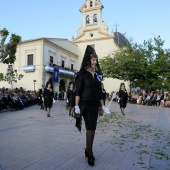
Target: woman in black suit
[(89, 97), (71, 99), (48, 96), (123, 97)]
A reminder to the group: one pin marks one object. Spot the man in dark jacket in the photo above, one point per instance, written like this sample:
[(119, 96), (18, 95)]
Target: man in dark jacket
[(41, 97)]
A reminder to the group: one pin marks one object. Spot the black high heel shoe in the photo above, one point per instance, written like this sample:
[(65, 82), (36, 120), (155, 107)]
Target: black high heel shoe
[(86, 153), (91, 160)]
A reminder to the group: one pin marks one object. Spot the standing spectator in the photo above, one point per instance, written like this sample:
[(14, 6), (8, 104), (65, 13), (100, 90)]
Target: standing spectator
[(41, 97), (65, 95)]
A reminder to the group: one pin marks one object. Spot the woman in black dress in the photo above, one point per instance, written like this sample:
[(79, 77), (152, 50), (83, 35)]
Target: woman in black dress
[(71, 99), (48, 96), (123, 97), (89, 97)]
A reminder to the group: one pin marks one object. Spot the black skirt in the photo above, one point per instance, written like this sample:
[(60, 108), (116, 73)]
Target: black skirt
[(90, 115), (72, 103), (49, 102), (123, 103)]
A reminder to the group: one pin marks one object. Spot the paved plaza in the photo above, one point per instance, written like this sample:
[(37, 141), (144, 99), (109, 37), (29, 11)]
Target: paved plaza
[(31, 141)]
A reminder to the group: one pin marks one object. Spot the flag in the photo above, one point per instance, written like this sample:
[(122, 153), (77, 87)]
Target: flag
[(56, 75)]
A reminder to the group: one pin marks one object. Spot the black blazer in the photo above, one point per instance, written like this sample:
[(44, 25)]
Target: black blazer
[(41, 93), (89, 89), (123, 94)]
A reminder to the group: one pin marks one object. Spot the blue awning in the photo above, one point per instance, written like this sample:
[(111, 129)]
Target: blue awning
[(29, 68), (61, 71), (66, 72), (49, 68)]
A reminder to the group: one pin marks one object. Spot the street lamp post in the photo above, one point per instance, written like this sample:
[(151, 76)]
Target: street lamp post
[(34, 84)]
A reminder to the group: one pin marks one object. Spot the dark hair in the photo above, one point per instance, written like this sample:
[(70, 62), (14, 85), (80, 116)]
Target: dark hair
[(121, 84), (70, 84), (89, 54), (48, 83)]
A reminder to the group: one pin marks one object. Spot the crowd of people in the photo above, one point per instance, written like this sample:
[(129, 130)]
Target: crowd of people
[(144, 97), (16, 99), (157, 98)]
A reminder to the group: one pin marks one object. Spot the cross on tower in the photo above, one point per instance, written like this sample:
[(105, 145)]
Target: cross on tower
[(116, 26)]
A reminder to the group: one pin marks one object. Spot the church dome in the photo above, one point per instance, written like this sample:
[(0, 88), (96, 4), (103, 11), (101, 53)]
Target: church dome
[(120, 39)]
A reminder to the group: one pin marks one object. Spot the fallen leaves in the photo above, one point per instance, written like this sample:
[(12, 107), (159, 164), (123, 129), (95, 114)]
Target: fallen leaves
[(143, 139)]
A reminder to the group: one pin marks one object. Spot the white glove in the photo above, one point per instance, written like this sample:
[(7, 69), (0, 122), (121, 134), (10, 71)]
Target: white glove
[(67, 101), (106, 110), (77, 109)]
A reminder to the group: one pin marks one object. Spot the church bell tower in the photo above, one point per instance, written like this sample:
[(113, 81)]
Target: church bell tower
[(92, 26)]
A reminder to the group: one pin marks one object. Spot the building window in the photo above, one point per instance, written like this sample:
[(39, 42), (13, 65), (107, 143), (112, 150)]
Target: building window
[(51, 61), (30, 59), (63, 63), (95, 20), (87, 20), (72, 66), (91, 4)]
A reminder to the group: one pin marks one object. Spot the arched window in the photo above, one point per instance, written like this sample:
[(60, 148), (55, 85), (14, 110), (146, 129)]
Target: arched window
[(87, 20), (95, 19), (91, 4)]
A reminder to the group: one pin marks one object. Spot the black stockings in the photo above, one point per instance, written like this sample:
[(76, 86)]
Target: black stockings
[(89, 141)]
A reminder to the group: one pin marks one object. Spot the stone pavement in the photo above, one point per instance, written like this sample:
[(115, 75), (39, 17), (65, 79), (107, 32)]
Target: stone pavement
[(31, 141)]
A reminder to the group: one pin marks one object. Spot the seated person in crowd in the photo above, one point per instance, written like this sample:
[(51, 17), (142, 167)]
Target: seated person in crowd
[(149, 103), (164, 99), (153, 100), (147, 99), (139, 100), (2, 104), (24, 99), (12, 103), (167, 101), (129, 97), (5, 100), (143, 98), (158, 99), (134, 98)]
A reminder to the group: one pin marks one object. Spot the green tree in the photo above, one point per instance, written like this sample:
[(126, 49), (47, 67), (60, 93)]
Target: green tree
[(11, 77), (8, 51), (7, 55), (144, 65)]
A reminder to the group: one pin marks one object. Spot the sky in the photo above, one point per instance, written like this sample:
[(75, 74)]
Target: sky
[(139, 19)]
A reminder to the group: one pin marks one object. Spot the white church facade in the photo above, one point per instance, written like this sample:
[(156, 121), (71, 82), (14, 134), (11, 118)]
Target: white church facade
[(37, 58)]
